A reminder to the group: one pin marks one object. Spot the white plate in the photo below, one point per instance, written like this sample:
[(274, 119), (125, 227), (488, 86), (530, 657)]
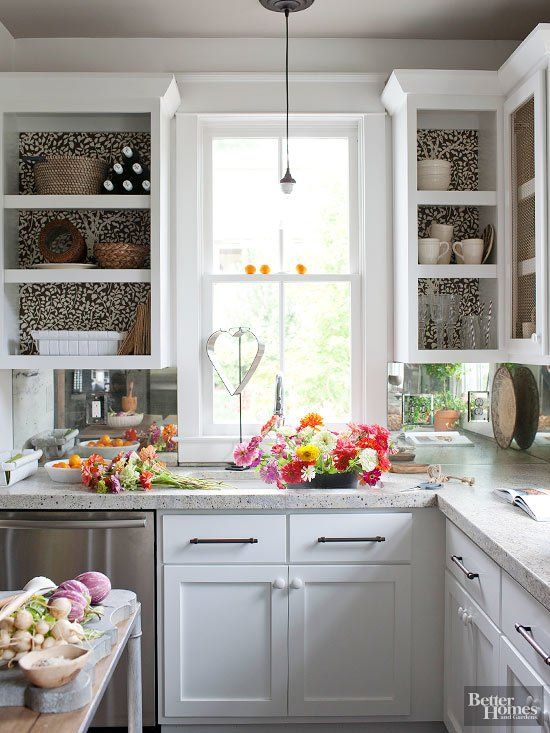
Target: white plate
[(65, 266), (63, 475), (109, 453)]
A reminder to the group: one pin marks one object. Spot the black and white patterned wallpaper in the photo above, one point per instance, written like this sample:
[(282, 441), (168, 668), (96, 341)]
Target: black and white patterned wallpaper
[(77, 307), (104, 225), (106, 146), (82, 306)]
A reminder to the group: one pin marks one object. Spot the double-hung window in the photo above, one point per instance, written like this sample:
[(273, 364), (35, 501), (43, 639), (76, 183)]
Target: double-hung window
[(284, 266)]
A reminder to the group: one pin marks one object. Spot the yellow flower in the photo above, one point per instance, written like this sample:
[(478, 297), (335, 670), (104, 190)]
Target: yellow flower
[(308, 453)]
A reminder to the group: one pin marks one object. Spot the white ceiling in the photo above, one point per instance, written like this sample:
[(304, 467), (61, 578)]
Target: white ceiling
[(445, 19)]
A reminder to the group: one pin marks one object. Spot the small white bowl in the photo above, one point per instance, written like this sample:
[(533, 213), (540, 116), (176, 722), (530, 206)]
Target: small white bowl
[(54, 675), (63, 475), (128, 420), (109, 452)]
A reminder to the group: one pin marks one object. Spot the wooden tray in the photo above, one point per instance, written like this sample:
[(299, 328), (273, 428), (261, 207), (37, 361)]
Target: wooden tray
[(409, 468)]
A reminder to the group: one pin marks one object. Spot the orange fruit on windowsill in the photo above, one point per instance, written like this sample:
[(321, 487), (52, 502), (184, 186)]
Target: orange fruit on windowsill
[(301, 269), (265, 269), (250, 269)]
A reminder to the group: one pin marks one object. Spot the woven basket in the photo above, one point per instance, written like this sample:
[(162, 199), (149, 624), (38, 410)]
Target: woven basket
[(63, 175), (61, 231), (120, 255)]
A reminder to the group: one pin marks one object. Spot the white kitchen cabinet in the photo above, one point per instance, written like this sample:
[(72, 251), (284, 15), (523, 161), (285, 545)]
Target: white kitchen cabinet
[(526, 239), (471, 651), (225, 640), (349, 640), (528, 689)]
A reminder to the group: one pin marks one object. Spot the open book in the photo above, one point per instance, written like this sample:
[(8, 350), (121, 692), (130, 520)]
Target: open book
[(535, 502)]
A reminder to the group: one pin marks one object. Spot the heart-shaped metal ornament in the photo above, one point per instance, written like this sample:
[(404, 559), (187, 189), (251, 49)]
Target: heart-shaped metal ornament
[(244, 358)]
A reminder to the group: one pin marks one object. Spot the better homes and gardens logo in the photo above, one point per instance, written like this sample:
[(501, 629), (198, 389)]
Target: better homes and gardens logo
[(491, 706)]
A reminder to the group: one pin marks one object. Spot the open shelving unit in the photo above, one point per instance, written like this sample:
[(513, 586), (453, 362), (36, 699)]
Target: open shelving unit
[(101, 111), (466, 129)]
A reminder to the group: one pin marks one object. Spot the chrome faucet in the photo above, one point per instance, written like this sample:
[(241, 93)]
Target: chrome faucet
[(279, 409)]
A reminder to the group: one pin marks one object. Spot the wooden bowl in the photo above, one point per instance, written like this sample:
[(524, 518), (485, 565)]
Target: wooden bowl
[(54, 675)]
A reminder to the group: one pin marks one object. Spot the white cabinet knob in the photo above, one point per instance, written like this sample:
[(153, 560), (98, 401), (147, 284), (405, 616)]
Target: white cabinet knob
[(297, 583), (279, 583), (529, 701), (535, 338), (466, 618), (460, 612)]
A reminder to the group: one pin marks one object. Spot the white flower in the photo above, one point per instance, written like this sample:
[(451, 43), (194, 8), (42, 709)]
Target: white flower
[(324, 440), (368, 458), (308, 473), (306, 434), (286, 431)]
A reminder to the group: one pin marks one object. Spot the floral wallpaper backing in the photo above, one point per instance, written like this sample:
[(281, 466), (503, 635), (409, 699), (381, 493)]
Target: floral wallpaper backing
[(84, 306)]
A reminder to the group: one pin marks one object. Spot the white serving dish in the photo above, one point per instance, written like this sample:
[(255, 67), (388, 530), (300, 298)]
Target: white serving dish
[(63, 475), (12, 471), (109, 453), (128, 420), (443, 439), (78, 343), (55, 443)]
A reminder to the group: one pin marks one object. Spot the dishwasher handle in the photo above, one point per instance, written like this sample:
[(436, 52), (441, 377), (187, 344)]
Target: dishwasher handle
[(73, 523)]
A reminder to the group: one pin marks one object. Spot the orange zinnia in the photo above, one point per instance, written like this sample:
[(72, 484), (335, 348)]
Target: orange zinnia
[(311, 420)]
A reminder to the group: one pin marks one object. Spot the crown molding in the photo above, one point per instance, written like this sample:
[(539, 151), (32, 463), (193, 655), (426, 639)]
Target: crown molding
[(279, 78)]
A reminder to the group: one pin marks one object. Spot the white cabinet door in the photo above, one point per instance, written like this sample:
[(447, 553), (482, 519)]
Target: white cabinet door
[(528, 689), (349, 640), (526, 251), (471, 651), (225, 641)]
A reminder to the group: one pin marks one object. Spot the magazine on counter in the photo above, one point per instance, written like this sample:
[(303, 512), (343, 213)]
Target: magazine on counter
[(535, 502)]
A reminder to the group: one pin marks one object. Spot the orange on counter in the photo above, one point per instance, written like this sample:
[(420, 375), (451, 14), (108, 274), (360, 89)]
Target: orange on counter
[(75, 461), (61, 464), (105, 439), (265, 269), (250, 269), (301, 269)]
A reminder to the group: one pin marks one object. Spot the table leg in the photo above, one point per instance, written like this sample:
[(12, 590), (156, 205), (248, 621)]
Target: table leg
[(135, 716)]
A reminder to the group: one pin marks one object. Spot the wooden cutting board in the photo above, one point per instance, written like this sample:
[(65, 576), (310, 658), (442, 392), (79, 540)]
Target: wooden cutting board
[(409, 468), (503, 407)]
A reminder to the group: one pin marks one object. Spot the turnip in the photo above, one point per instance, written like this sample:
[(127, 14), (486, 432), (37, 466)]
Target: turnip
[(79, 604), (21, 641), (7, 624), (8, 654), (23, 620), (59, 607), (62, 629), (5, 639), (37, 640), (48, 642), (42, 627)]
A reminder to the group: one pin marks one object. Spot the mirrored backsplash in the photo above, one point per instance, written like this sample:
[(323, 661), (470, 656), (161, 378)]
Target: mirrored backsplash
[(61, 410), (428, 398)]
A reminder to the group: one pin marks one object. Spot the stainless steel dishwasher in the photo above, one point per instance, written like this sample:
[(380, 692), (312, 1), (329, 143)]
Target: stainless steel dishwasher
[(61, 545)]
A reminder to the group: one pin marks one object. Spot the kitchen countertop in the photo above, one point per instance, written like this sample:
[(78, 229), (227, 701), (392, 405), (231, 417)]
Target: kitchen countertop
[(517, 543)]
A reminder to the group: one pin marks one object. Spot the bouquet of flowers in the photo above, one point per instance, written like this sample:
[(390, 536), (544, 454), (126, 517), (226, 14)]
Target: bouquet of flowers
[(133, 471), (285, 455), (161, 437)]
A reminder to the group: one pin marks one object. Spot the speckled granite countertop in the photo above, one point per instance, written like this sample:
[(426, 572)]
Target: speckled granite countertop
[(517, 543)]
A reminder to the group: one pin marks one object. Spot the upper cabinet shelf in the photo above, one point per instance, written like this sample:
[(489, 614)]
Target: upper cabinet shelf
[(456, 198), (30, 201)]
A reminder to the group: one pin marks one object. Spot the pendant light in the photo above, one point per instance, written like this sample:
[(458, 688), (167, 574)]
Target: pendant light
[(287, 6)]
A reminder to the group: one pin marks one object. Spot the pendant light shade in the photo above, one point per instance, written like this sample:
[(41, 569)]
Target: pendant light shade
[(287, 6)]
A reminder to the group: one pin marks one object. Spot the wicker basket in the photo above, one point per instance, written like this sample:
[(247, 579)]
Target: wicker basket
[(69, 175), (120, 255)]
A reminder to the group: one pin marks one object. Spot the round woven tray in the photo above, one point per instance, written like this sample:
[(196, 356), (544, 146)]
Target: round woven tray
[(60, 241), (120, 255), (63, 175)]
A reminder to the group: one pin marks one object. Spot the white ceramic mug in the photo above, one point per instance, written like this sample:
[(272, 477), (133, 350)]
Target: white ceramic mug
[(431, 251), (443, 232), (469, 251)]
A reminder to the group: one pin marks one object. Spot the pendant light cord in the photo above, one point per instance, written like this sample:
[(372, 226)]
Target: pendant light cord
[(286, 83)]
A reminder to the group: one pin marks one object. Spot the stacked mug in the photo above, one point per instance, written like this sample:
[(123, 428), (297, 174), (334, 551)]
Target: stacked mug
[(436, 249)]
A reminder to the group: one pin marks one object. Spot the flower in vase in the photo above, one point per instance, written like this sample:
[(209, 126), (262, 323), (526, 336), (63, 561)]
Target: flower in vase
[(308, 453), (246, 453), (344, 452), (292, 472), (270, 473), (324, 440), (308, 473), (368, 458), (311, 420), (371, 478)]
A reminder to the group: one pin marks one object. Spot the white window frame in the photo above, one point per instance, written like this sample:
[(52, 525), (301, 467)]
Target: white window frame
[(368, 136)]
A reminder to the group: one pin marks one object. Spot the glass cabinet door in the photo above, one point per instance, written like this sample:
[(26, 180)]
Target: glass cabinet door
[(526, 245)]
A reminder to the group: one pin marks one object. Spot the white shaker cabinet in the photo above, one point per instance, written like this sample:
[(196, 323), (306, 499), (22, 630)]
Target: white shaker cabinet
[(528, 689), (225, 640), (471, 651), (349, 640)]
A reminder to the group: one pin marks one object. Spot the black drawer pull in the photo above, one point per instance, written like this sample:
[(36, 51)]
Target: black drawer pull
[(351, 539), (468, 573), (527, 633), (223, 541)]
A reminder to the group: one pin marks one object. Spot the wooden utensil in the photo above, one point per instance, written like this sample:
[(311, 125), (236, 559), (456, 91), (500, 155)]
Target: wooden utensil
[(34, 586), (129, 402)]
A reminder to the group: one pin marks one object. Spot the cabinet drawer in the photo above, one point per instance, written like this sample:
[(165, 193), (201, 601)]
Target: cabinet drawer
[(350, 538), (518, 607), (206, 538), (484, 582)]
